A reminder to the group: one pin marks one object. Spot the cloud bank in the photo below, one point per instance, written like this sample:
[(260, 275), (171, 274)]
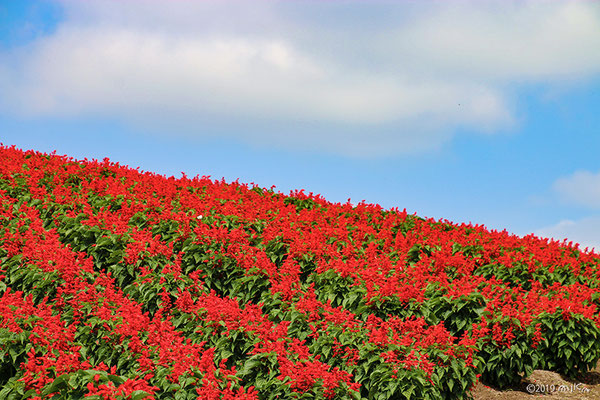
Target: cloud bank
[(583, 231), (581, 188), (344, 77)]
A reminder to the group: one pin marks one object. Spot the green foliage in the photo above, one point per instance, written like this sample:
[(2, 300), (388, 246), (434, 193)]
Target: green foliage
[(457, 314), (506, 361), (571, 345)]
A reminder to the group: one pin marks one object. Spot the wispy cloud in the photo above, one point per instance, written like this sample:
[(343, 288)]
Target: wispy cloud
[(581, 188), (583, 231), (302, 75)]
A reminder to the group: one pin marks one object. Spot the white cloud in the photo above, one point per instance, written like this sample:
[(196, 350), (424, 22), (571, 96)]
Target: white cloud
[(312, 75), (583, 231), (582, 187), (507, 41)]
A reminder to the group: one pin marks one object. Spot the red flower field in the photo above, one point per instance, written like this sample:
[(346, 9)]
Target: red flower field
[(122, 284)]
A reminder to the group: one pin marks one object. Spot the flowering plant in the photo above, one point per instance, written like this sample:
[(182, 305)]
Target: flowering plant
[(122, 284)]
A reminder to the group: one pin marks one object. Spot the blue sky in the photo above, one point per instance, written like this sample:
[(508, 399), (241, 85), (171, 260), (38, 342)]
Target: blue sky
[(483, 112)]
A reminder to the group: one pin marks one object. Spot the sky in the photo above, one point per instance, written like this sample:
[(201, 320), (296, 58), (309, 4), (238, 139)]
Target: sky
[(472, 111)]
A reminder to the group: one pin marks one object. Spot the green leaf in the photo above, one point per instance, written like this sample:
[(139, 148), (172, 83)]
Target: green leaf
[(139, 395), (408, 391), (57, 384)]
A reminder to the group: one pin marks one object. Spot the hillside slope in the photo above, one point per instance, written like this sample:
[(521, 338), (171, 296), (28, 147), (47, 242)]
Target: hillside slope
[(116, 283)]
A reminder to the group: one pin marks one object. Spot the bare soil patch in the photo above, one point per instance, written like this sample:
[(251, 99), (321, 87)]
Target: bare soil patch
[(546, 384)]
